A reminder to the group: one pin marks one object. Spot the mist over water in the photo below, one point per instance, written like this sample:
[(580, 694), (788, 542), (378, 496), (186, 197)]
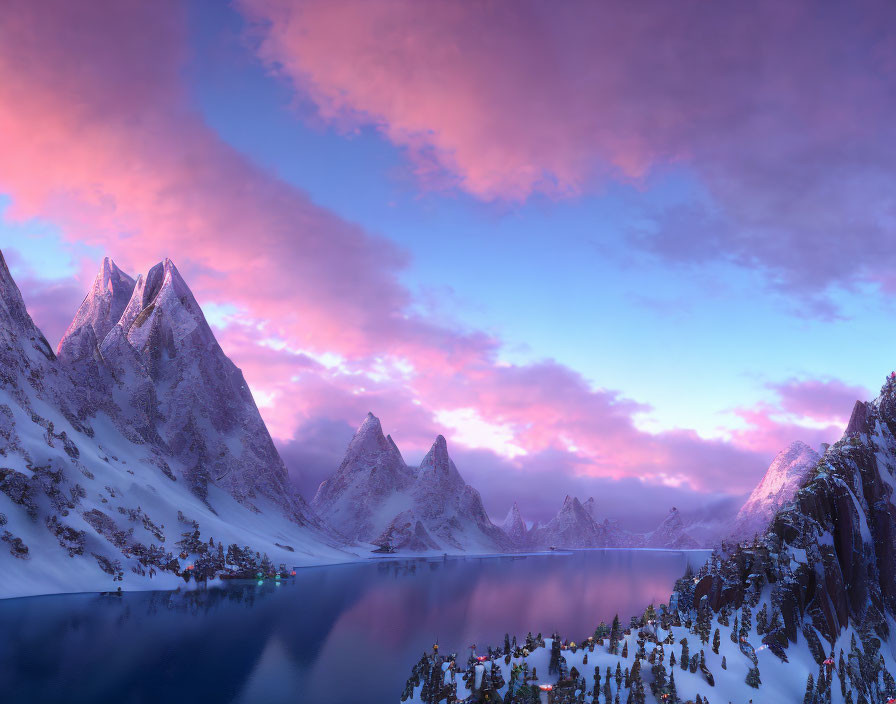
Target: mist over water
[(339, 635)]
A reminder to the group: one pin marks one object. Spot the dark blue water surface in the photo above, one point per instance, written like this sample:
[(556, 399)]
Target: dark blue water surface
[(334, 635)]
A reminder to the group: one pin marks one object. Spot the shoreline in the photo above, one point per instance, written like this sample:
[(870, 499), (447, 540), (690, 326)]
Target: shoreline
[(395, 557)]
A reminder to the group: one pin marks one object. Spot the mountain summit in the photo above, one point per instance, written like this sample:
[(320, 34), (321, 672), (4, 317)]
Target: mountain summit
[(375, 497), (131, 457), (152, 346), (100, 311), (779, 485)]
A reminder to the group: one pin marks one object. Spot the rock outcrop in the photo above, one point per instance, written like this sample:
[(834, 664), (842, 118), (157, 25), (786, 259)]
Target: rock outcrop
[(829, 555)]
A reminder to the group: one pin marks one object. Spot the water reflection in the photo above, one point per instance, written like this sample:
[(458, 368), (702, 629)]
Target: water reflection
[(341, 634)]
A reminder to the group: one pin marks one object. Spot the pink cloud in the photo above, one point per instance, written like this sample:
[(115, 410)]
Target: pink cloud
[(783, 111), (98, 135), (829, 400)]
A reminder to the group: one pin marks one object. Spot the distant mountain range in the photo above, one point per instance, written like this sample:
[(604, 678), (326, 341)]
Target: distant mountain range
[(136, 451)]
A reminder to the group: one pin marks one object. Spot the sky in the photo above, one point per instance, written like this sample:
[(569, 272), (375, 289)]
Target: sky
[(628, 252)]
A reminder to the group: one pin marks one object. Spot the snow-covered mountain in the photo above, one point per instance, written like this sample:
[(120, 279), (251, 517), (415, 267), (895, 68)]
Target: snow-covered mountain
[(784, 476), (369, 488), (671, 534), (375, 497), (576, 526), (126, 452), (515, 528), (573, 527)]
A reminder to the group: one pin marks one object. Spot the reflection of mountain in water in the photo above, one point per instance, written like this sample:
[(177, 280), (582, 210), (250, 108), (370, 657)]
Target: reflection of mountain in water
[(334, 634)]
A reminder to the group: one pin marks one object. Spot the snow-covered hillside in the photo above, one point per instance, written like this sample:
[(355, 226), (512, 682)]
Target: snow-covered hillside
[(127, 453), (804, 613), (376, 498)]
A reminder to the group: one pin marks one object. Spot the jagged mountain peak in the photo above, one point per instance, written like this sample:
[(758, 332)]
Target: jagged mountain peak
[(590, 505), (437, 459), (369, 448), (161, 365), (375, 497), (515, 527), (99, 312), (513, 516), (782, 479), (671, 533), (162, 304)]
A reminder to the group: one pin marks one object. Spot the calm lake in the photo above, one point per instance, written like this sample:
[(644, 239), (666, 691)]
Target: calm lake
[(334, 635)]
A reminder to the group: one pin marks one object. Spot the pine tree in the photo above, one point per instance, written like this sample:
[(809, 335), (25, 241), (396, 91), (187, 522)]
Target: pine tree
[(506, 643), (673, 693), (672, 659), (614, 635), (607, 693), (753, 677), (723, 616), (762, 620), (618, 676), (841, 673), (724, 663), (889, 684), (684, 654), (596, 690), (810, 690), (625, 649), (734, 631), (704, 620), (554, 664), (716, 642), (745, 620)]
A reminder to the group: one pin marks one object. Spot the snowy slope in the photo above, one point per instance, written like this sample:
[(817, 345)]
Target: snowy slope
[(779, 485), (375, 497), (807, 612), (89, 499)]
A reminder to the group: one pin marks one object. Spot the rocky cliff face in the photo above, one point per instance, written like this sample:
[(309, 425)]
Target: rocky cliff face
[(829, 556), (374, 497)]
